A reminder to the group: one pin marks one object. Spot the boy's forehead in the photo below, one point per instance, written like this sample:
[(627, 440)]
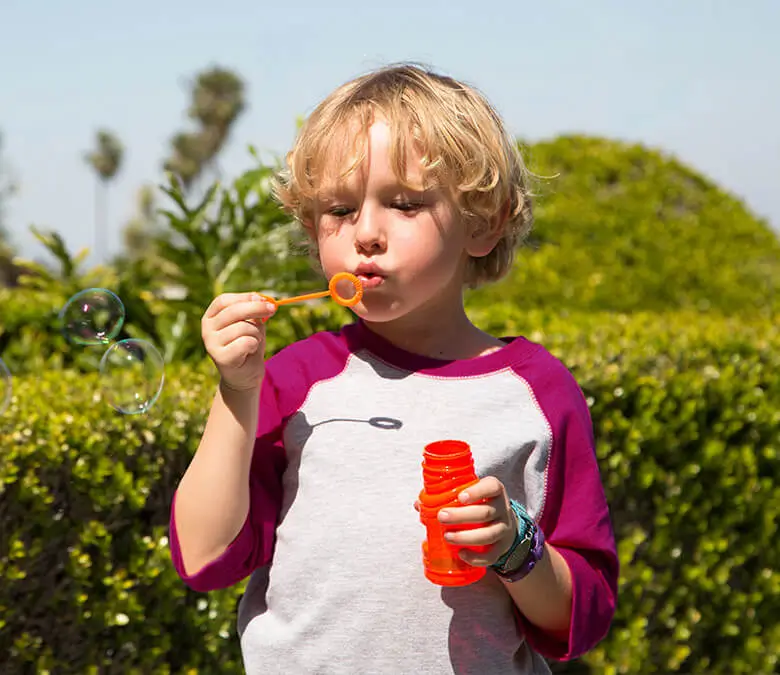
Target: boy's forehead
[(337, 179), (351, 152)]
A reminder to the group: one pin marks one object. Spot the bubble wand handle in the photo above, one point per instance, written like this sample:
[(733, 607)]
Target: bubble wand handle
[(302, 298)]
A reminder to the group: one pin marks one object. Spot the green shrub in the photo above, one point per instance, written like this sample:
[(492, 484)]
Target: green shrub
[(30, 335), (687, 417), (235, 239), (31, 338), (620, 227)]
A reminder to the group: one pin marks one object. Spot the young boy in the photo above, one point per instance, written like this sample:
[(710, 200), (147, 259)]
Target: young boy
[(309, 465)]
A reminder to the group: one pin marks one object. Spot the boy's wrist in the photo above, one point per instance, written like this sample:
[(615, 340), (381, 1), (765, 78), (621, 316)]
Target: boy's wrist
[(243, 403), (231, 390), (526, 549)]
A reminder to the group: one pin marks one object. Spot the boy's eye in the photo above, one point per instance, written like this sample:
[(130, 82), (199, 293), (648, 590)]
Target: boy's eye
[(407, 206), (340, 211)]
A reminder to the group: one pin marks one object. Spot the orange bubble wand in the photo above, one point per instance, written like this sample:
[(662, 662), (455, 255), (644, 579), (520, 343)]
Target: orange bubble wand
[(340, 280)]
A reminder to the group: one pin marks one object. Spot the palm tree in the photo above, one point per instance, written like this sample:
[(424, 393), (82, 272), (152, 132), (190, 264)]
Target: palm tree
[(188, 157), (8, 270), (106, 160), (6, 190), (217, 100), (139, 232)]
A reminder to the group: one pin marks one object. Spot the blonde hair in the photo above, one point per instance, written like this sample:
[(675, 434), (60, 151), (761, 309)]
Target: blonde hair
[(461, 138)]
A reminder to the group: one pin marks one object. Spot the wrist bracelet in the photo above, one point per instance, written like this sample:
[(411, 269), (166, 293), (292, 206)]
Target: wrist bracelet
[(527, 549), (522, 517)]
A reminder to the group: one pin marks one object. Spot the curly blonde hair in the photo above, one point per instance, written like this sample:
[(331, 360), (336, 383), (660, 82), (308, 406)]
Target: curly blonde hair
[(461, 138)]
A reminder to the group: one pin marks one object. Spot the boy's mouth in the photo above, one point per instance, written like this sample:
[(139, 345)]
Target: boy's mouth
[(370, 279), (370, 275)]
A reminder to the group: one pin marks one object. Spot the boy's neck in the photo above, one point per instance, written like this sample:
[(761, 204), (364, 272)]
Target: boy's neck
[(446, 337)]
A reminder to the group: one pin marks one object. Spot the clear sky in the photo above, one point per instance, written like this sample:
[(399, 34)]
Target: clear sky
[(699, 78)]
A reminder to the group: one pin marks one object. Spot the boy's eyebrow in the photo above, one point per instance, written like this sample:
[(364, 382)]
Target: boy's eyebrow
[(329, 196)]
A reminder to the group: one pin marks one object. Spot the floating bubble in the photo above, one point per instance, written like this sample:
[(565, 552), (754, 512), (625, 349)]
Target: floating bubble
[(132, 373), (92, 317), (5, 386)]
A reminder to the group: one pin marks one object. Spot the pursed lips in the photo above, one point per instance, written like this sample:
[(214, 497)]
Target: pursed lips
[(370, 275)]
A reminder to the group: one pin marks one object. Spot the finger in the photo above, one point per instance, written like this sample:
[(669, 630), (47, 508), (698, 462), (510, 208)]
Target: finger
[(479, 536), (487, 488), (476, 513), (226, 300), (271, 302), (481, 558), (234, 355), (245, 310), (236, 330)]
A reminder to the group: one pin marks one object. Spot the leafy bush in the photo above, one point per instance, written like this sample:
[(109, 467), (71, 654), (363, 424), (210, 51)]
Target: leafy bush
[(620, 227), (687, 417), (236, 238), (31, 338)]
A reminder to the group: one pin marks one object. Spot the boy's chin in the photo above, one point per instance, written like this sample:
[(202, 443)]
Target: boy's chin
[(377, 313)]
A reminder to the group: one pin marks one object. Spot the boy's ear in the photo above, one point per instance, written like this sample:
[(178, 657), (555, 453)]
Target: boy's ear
[(484, 234)]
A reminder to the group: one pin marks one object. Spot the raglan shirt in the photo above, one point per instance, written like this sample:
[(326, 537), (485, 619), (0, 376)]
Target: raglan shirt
[(332, 542)]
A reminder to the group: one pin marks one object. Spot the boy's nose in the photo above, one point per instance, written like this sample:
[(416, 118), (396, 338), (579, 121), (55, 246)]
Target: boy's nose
[(369, 233)]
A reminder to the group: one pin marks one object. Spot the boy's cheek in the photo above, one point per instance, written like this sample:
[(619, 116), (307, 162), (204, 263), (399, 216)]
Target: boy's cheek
[(323, 229)]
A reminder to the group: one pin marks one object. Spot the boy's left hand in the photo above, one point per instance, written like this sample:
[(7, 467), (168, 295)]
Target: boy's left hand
[(487, 504)]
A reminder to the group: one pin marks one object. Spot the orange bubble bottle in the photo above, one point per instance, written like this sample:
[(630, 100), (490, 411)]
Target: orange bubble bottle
[(448, 469)]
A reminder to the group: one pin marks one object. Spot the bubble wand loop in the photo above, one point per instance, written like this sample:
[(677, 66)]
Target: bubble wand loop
[(340, 280)]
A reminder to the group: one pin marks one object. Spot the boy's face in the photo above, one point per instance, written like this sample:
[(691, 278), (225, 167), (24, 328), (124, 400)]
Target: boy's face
[(408, 247)]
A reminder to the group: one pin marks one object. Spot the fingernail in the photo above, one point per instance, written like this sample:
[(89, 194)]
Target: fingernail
[(464, 497), (449, 536), (444, 515)]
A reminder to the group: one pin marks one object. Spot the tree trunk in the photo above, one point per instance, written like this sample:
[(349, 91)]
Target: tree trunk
[(101, 220)]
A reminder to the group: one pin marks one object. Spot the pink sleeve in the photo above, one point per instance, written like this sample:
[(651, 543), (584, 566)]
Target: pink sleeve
[(253, 546), (575, 518)]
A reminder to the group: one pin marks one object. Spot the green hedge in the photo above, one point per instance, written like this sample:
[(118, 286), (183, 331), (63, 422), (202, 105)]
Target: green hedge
[(687, 416)]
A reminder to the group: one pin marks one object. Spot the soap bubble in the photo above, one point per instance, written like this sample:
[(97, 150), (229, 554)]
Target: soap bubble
[(132, 373), (92, 317), (5, 386)]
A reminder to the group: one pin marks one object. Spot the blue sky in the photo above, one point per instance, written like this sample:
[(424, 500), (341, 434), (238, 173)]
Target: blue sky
[(700, 79)]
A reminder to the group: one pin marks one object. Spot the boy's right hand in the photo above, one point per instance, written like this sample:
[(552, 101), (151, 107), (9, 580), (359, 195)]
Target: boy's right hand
[(234, 337)]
